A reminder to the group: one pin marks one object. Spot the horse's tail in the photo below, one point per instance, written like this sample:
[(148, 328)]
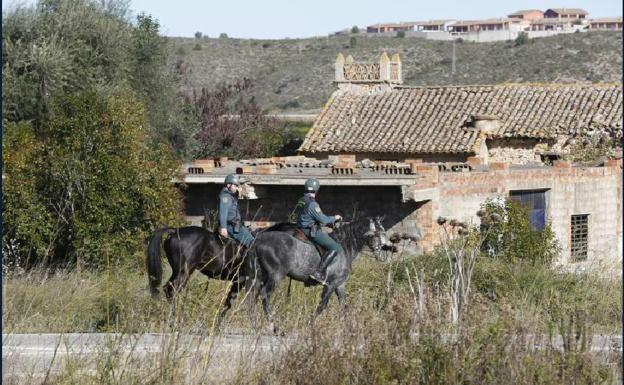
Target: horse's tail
[(154, 263)]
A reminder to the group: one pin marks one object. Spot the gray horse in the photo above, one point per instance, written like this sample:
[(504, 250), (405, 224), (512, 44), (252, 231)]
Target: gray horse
[(278, 255)]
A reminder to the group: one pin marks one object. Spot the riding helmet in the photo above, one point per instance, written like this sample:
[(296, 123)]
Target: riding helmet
[(232, 179), (312, 185)]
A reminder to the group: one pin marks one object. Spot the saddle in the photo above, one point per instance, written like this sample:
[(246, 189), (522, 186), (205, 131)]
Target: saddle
[(300, 235)]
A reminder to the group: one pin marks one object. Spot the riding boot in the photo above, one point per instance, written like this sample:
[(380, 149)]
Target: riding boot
[(320, 274)]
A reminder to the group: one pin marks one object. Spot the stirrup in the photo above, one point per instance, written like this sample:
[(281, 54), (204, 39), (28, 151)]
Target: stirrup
[(322, 281)]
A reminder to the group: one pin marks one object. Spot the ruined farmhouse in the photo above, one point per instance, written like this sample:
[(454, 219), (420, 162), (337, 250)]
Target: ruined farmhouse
[(414, 154)]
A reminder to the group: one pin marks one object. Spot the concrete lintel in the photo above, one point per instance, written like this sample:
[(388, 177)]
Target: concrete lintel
[(300, 180), (418, 195)]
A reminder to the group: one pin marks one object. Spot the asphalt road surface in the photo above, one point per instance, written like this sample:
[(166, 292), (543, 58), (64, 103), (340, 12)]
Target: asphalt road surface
[(34, 356)]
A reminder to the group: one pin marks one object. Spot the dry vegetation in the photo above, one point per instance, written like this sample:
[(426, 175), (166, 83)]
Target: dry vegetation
[(395, 328), (297, 74)]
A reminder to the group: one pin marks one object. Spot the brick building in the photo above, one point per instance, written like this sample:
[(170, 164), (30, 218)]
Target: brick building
[(583, 204), (413, 154)]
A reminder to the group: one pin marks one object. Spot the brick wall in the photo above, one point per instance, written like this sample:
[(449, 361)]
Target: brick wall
[(569, 190), (596, 191)]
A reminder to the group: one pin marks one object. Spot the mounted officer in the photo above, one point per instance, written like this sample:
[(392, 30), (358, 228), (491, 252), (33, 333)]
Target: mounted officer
[(310, 218), (230, 223)]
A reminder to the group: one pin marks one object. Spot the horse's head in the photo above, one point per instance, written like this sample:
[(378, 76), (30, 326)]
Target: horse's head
[(378, 240)]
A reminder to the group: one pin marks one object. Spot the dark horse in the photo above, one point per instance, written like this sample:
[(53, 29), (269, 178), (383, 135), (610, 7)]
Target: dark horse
[(277, 255), (195, 248)]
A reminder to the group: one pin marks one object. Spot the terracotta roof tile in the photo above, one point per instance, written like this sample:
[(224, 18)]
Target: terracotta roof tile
[(436, 119)]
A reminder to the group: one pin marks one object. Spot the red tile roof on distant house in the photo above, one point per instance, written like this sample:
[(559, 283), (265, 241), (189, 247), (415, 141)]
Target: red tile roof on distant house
[(435, 119), (574, 11), (523, 12)]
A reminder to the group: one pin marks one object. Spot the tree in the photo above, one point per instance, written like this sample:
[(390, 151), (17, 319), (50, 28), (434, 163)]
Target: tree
[(66, 46), (58, 47), (91, 186), (355, 29), (521, 39), (352, 42), (198, 35), (223, 35), (233, 124)]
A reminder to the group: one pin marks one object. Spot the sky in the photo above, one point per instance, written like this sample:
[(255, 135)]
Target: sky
[(277, 19)]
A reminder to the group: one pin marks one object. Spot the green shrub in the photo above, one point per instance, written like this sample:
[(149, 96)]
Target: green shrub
[(223, 35), (197, 47), (521, 39), (352, 42), (400, 34), (91, 187), (198, 35), (513, 238), (355, 29)]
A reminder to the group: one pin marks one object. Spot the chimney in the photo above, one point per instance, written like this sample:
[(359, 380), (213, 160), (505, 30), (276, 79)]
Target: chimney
[(387, 70), (486, 124)]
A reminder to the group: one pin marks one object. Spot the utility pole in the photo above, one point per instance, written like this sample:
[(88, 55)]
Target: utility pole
[(453, 60)]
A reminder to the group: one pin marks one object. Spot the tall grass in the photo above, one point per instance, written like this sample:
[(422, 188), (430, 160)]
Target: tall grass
[(394, 329)]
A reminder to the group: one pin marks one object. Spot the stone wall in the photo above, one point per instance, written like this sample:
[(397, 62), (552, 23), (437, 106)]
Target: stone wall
[(515, 151)]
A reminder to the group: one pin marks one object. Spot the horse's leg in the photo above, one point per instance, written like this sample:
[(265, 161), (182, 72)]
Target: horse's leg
[(266, 291), (179, 283), (327, 291), (234, 290), (340, 293)]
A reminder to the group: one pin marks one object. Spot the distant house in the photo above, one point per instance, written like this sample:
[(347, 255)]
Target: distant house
[(606, 23), (390, 27), (549, 24), (433, 25), (488, 25), (565, 13), (527, 14)]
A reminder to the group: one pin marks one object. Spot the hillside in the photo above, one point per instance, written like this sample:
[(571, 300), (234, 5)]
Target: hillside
[(297, 74)]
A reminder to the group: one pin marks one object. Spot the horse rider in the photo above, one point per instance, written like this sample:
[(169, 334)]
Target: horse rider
[(229, 216), (310, 218)]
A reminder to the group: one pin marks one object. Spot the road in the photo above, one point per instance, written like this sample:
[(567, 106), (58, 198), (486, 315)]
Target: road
[(34, 355)]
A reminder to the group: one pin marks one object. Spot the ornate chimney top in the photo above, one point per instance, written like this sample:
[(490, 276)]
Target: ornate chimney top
[(387, 70)]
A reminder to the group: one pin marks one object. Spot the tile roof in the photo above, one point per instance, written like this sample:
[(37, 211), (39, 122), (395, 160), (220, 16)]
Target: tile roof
[(434, 119), (484, 21), (579, 11), (607, 20), (525, 11)]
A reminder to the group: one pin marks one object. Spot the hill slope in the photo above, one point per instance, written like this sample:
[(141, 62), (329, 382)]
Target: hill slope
[(297, 74)]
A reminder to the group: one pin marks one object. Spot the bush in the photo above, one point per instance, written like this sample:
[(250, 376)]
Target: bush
[(355, 29), (513, 238), (249, 133), (181, 51), (521, 39), (400, 34), (198, 35), (197, 47), (352, 42), (90, 187), (223, 35)]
